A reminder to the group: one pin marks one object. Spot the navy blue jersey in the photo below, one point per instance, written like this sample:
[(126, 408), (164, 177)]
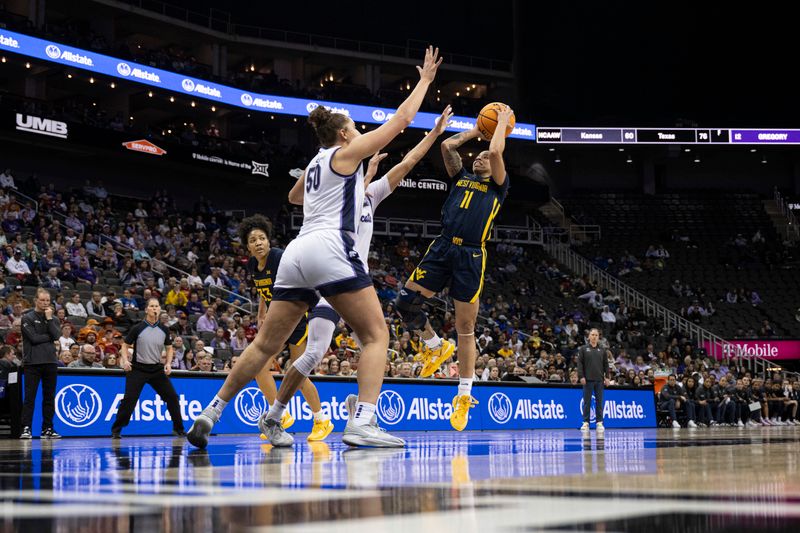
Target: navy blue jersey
[(471, 207), (263, 280)]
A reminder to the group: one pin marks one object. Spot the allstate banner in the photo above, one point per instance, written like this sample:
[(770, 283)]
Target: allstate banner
[(87, 403), (144, 74)]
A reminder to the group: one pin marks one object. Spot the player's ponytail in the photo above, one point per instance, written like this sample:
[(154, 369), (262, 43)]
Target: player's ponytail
[(326, 125)]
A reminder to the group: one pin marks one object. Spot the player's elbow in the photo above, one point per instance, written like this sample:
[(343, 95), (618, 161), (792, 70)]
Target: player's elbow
[(495, 154), (403, 119), (295, 198)]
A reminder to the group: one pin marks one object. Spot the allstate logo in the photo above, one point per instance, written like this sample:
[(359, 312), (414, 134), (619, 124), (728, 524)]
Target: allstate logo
[(390, 408), (311, 106), (247, 99), (124, 69), (188, 85), (78, 406), (250, 404), (378, 115), (53, 51), (592, 412), (500, 407)]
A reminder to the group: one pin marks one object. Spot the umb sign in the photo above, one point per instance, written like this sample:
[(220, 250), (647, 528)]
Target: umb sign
[(765, 349), (41, 126)]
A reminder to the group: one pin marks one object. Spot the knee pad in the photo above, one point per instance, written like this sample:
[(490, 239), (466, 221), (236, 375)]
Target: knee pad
[(409, 305)]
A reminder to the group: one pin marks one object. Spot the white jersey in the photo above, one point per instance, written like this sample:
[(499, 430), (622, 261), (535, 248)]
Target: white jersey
[(376, 192), (331, 201)]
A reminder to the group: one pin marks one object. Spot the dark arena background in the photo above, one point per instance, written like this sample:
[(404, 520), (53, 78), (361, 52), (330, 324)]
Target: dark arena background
[(653, 195)]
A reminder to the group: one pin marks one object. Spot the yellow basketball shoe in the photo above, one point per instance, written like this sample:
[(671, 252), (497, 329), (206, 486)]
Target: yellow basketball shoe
[(435, 358), (321, 429), (461, 406)]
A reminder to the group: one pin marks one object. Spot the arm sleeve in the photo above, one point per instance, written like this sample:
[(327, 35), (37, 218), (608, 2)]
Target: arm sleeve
[(378, 191), (54, 327), (29, 332), (580, 364)]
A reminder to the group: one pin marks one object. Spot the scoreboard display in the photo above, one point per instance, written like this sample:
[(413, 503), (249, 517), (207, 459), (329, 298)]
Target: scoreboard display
[(555, 135)]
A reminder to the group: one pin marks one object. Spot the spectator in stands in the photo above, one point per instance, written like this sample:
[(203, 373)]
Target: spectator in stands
[(66, 340), (766, 330), (94, 307), (239, 341), (175, 296), (214, 279), (65, 358), (51, 281), (84, 272), (219, 342), (731, 296), (194, 306), (178, 353), (17, 267), (7, 180), (75, 307), (207, 322), (111, 362), (755, 299), (128, 301), (86, 358), (205, 364)]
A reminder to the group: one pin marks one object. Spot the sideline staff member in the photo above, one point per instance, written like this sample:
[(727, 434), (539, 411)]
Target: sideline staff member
[(148, 339), (40, 330), (592, 371)]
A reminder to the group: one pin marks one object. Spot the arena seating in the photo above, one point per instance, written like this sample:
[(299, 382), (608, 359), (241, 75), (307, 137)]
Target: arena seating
[(699, 230)]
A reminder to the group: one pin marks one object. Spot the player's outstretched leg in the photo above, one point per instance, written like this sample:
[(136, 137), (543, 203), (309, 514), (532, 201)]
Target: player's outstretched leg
[(466, 314), (281, 319), (362, 311)]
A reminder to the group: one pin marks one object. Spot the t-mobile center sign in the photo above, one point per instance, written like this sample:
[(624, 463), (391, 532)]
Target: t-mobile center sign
[(766, 349)]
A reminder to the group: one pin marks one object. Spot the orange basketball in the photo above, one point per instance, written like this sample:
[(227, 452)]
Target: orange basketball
[(487, 120)]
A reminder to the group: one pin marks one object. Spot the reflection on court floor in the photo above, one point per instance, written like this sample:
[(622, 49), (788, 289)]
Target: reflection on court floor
[(628, 480)]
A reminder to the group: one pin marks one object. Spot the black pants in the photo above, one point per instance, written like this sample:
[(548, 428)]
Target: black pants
[(33, 374), (134, 383), (597, 388)]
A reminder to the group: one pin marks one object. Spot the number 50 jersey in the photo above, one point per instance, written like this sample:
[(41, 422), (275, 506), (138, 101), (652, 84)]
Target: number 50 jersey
[(331, 201)]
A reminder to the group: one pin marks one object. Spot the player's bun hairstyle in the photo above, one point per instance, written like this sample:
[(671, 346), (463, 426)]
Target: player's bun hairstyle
[(326, 125), (254, 222)]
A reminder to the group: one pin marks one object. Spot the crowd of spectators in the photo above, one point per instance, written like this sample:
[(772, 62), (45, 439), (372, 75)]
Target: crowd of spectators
[(103, 256)]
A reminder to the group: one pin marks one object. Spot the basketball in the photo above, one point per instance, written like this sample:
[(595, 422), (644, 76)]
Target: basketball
[(487, 120)]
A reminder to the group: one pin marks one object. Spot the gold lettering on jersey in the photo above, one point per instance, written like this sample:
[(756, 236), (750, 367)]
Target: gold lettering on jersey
[(470, 184), (458, 241), (419, 273), (264, 288)]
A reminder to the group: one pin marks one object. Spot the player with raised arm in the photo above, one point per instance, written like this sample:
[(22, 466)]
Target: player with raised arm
[(457, 258), (322, 260), (323, 319)]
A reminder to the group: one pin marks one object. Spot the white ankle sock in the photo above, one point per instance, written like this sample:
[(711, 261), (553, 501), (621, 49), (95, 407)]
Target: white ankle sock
[(364, 412), (320, 415), (465, 386), (276, 411), (434, 342), (215, 408)]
